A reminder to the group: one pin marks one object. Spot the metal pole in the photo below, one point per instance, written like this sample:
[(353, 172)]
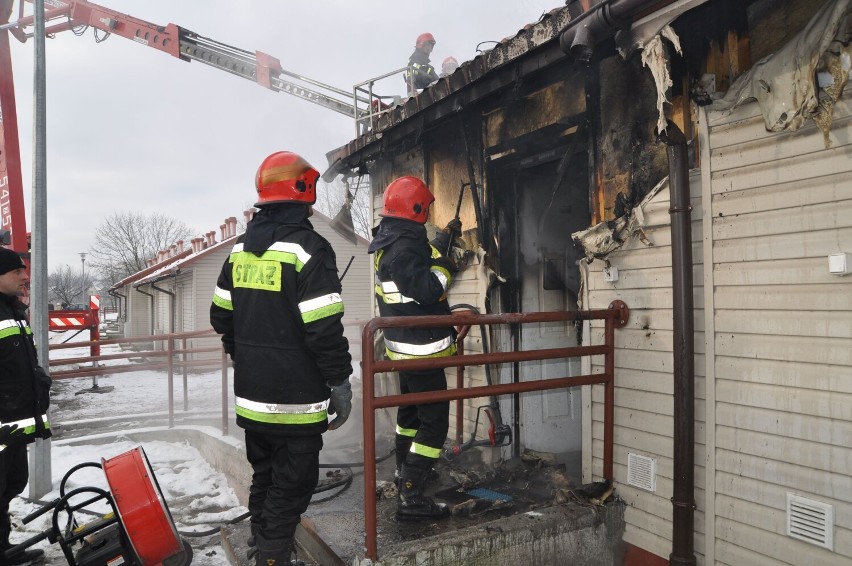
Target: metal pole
[(170, 352), (40, 478), (185, 385), (224, 393), (369, 416)]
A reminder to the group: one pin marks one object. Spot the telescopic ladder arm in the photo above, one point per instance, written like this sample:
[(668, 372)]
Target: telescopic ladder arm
[(259, 67)]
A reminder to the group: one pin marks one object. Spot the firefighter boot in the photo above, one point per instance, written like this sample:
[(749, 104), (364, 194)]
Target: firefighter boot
[(411, 504), (273, 552), (23, 557)]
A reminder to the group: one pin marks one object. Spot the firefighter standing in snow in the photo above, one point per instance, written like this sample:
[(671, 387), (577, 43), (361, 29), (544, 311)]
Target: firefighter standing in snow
[(277, 305), (412, 278), (24, 396)]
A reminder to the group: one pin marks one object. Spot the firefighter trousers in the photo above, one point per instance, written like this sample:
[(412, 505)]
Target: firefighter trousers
[(421, 429), (14, 474), (285, 474)]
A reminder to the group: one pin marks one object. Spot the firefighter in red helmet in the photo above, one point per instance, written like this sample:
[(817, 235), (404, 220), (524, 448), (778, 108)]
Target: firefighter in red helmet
[(278, 308), (412, 278), (419, 74)]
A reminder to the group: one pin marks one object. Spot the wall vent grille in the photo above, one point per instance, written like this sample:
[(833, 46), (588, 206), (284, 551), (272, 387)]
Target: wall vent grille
[(642, 471), (810, 521)]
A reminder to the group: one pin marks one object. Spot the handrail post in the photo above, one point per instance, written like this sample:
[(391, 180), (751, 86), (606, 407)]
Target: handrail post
[(369, 391), (609, 397), (185, 384), (224, 393), (170, 348)]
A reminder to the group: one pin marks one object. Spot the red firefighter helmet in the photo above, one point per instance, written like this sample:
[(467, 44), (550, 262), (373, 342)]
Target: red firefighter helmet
[(423, 38), (407, 198), (285, 176)]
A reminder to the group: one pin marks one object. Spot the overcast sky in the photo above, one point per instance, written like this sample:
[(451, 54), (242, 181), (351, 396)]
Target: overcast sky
[(132, 129)]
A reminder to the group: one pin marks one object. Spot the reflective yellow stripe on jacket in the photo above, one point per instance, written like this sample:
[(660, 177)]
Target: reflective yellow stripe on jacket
[(403, 351), (277, 413), (12, 327)]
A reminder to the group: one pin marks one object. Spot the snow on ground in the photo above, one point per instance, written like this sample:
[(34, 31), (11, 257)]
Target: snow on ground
[(198, 496)]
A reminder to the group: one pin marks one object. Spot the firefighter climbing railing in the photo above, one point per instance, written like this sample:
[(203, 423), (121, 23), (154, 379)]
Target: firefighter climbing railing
[(614, 317)]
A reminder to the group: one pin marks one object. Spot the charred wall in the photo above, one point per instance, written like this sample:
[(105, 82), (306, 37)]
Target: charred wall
[(630, 161)]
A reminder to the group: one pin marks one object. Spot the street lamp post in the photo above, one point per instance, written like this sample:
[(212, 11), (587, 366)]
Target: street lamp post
[(83, 276)]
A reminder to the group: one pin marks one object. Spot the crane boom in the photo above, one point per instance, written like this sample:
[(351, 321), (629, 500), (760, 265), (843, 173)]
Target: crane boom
[(184, 44), (62, 15)]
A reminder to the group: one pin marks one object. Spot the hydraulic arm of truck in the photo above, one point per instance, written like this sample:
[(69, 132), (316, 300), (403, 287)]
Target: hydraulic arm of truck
[(61, 15)]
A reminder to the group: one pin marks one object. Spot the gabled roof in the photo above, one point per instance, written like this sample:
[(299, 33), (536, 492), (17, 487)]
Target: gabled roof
[(173, 268), (148, 270), (173, 265)]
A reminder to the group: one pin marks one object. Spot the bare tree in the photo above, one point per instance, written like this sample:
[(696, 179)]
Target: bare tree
[(65, 286), (125, 240)]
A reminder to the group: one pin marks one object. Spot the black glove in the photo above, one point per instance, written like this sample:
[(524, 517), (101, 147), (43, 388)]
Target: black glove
[(454, 228), (7, 432), (441, 242), (341, 404)]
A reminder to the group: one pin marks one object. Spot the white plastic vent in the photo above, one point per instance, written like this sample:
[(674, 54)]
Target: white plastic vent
[(810, 521), (642, 471)]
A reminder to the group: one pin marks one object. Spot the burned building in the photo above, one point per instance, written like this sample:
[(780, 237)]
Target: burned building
[(691, 158)]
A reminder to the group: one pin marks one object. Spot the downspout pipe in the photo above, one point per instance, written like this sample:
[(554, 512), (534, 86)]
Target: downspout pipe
[(683, 492), (172, 300), (599, 23)]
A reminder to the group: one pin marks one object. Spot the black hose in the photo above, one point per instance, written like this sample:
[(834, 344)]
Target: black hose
[(343, 484)]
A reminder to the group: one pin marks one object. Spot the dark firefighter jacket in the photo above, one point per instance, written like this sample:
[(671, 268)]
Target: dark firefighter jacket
[(412, 278), (24, 386), (419, 70), (278, 308)]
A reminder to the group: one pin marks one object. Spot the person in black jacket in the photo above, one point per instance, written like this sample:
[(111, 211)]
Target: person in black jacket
[(278, 308), (24, 396), (420, 74), (412, 278)]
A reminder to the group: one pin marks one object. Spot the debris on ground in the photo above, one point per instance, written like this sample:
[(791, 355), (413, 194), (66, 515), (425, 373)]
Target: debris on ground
[(595, 493), (386, 489)]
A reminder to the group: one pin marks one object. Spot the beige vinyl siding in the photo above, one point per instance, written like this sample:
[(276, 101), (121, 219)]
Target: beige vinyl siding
[(781, 203), (205, 273), (643, 373), (138, 316), (775, 365), (185, 305)]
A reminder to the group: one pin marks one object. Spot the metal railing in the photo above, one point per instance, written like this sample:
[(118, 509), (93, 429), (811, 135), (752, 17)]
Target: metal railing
[(172, 356), (614, 317), (373, 104)]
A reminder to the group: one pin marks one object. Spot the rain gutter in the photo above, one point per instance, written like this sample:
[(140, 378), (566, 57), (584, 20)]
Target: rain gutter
[(599, 23)]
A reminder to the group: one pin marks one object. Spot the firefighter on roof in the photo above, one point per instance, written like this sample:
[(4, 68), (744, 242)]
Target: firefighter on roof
[(412, 278), (278, 308), (419, 74)]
